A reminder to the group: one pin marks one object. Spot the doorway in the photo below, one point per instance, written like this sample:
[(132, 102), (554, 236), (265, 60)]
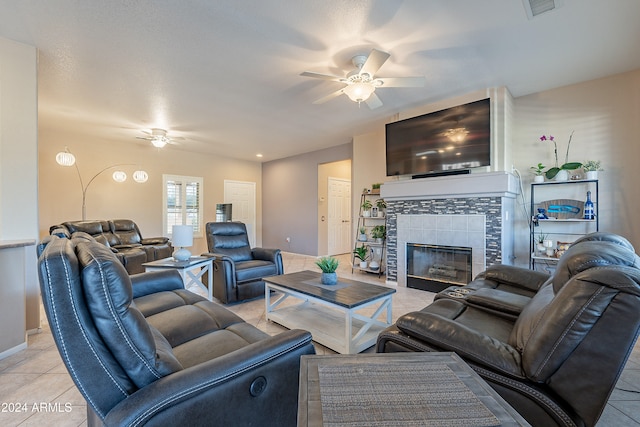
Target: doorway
[(334, 208), (242, 196)]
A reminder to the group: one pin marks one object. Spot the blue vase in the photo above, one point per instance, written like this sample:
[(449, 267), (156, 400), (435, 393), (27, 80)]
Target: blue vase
[(329, 278)]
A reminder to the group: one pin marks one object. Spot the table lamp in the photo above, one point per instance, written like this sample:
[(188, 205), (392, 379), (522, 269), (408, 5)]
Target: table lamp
[(182, 236)]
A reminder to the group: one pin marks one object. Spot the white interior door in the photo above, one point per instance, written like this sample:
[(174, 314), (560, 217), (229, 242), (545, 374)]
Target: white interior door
[(339, 215), (242, 196)]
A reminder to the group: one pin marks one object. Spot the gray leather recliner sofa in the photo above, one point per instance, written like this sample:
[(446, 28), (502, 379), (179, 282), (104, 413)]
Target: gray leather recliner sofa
[(123, 237), (142, 350), (557, 360)]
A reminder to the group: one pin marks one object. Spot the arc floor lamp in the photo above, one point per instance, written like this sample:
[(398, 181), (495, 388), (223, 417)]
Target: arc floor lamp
[(67, 159)]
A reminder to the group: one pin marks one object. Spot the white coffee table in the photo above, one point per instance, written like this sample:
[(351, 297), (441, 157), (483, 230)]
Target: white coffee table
[(333, 314), (191, 271)]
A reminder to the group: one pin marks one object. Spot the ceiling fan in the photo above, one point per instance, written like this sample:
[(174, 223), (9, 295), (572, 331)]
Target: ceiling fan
[(362, 83), (158, 137)]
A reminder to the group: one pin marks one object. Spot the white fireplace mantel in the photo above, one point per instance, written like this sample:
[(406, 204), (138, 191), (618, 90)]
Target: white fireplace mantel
[(488, 184)]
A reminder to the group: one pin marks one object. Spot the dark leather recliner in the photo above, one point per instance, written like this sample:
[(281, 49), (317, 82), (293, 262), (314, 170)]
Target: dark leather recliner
[(238, 269), (558, 361), (142, 350), (507, 289)]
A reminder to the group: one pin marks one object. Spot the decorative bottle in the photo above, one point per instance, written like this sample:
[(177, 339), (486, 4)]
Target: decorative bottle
[(588, 207)]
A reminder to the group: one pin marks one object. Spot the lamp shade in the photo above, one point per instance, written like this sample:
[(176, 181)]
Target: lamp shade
[(140, 176), (65, 158), (119, 176), (182, 235)]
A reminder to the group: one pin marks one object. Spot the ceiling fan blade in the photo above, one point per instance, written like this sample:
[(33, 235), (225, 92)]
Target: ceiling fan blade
[(373, 101), (375, 60), (321, 76), (402, 81), (329, 97), (143, 137)]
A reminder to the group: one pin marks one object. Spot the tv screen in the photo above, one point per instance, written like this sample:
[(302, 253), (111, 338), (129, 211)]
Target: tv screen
[(455, 139)]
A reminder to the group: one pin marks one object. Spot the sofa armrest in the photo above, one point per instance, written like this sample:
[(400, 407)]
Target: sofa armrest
[(449, 335), (515, 276), (224, 277), (154, 241), (155, 281), (217, 257), (227, 388), (497, 300), (265, 254)]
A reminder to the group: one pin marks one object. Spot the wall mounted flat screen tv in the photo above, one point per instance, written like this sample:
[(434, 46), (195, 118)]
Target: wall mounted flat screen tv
[(453, 140)]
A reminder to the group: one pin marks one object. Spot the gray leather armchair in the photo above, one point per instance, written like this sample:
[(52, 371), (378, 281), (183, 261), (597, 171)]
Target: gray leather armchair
[(238, 269), (558, 361), (142, 350)]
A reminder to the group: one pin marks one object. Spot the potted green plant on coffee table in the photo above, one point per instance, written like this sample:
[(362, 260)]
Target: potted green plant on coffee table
[(328, 265)]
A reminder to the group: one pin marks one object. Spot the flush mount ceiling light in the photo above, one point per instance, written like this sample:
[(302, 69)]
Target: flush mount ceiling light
[(362, 83)]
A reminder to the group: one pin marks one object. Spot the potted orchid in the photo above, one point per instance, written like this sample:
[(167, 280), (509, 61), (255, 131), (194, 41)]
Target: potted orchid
[(560, 172)]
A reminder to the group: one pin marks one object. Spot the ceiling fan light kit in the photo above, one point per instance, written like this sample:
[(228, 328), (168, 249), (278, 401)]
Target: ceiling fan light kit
[(358, 92), (362, 83), (158, 137)]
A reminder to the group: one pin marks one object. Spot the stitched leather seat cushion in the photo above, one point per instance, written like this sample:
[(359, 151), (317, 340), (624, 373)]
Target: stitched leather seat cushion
[(251, 270), (142, 351)]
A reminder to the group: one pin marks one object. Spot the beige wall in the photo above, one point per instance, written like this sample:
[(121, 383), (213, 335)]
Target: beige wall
[(60, 196), (605, 115), (369, 167)]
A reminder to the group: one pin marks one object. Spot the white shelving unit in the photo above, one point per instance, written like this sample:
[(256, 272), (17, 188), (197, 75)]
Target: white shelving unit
[(560, 229)]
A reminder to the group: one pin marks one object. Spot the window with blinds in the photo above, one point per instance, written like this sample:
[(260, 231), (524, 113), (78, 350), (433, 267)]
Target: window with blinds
[(182, 201)]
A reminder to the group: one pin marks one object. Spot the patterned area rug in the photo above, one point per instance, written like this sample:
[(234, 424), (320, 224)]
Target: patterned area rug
[(373, 395)]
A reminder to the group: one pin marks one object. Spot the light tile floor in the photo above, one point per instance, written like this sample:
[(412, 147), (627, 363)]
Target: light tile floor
[(35, 389)]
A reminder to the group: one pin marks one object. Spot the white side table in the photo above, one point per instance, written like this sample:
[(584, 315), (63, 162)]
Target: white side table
[(191, 271)]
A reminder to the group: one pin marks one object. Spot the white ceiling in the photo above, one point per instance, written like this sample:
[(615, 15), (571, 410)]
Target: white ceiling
[(225, 74)]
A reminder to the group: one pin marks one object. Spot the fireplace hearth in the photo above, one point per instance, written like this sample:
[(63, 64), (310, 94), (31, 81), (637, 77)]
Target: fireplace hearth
[(474, 210), (436, 267)]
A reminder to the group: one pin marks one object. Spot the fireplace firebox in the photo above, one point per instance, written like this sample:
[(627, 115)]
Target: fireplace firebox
[(435, 267)]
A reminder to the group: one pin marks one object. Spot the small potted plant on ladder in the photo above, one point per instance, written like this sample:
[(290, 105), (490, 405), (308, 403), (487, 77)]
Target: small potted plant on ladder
[(362, 253)]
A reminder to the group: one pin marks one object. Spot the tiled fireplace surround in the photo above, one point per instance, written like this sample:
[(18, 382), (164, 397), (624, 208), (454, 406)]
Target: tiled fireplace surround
[(467, 210)]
